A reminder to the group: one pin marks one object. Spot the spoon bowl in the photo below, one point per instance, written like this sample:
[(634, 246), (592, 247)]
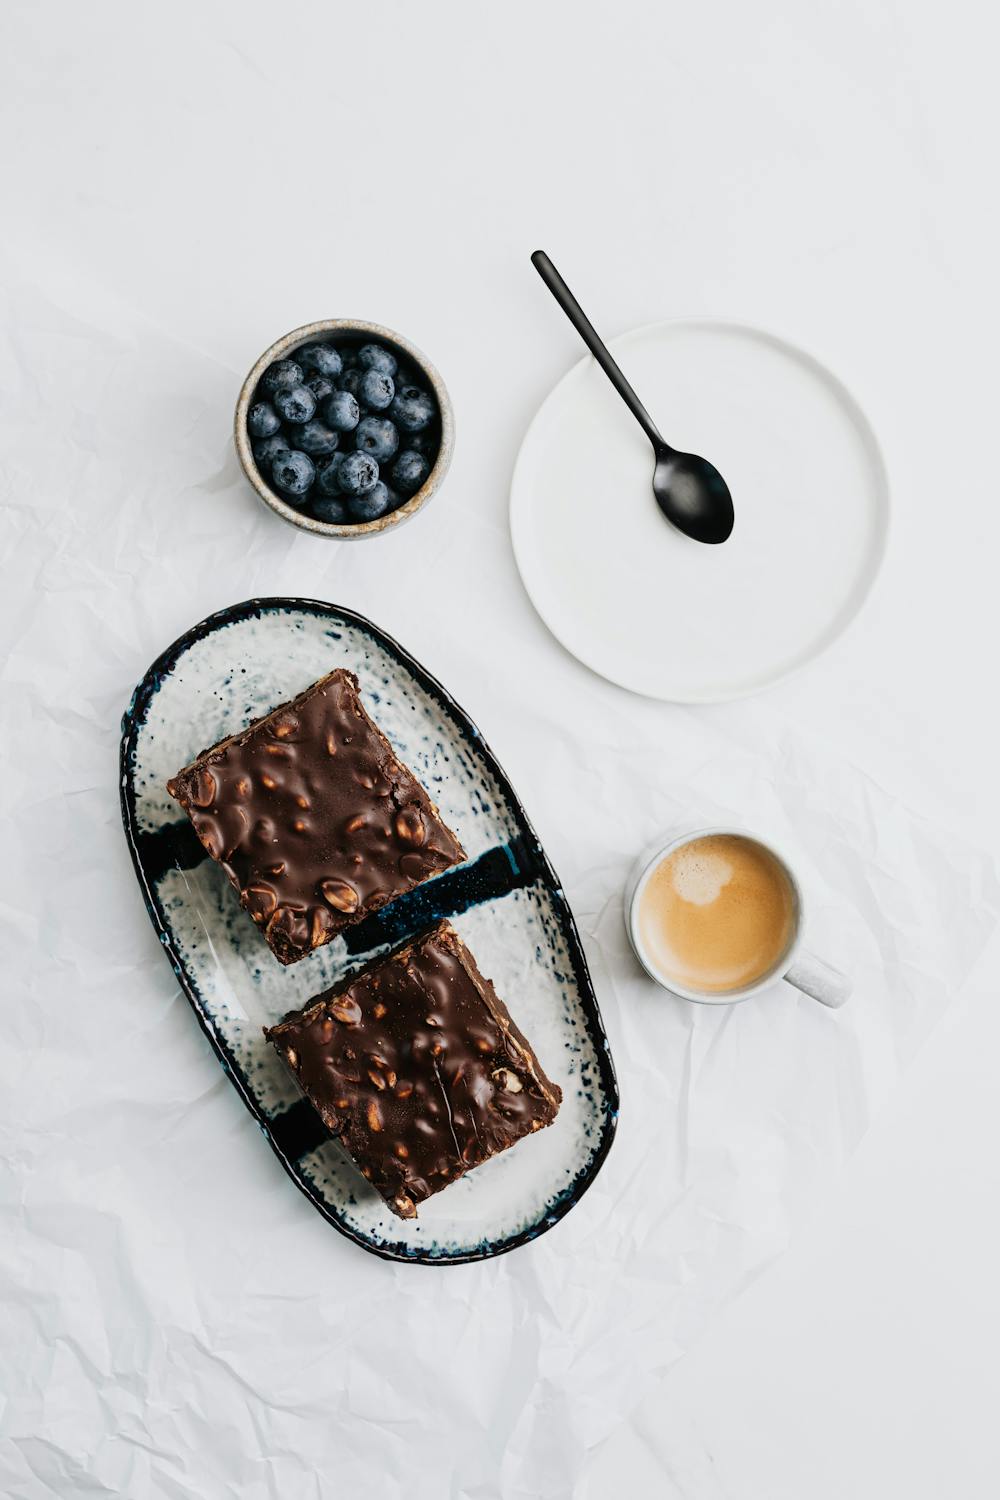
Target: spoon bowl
[(693, 495)]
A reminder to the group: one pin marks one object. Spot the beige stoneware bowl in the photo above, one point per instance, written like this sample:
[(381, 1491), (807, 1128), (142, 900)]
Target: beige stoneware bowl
[(331, 329)]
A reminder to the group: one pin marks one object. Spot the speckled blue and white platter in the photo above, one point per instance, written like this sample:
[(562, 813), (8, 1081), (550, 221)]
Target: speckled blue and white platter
[(505, 901)]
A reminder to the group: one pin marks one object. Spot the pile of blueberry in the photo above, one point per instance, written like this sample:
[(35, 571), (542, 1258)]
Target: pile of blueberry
[(343, 431)]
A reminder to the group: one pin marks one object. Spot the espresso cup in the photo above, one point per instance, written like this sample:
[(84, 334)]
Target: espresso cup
[(820, 980)]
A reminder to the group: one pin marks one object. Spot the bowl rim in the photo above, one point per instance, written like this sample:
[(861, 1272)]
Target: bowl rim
[(293, 340)]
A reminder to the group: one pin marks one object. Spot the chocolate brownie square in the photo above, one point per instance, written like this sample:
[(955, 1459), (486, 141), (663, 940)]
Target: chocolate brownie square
[(313, 817), (416, 1066)]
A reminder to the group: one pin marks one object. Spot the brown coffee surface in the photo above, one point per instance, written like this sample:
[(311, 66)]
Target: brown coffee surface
[(717, 914)]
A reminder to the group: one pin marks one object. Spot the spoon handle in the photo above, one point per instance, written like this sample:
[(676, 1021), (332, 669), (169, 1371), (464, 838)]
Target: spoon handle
[(591, 338)]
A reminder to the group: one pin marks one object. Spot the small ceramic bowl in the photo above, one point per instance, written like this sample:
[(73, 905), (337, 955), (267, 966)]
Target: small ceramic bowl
[(333, 330)]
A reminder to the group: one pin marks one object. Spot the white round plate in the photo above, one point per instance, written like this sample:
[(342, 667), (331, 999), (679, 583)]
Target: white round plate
[(645, 606)]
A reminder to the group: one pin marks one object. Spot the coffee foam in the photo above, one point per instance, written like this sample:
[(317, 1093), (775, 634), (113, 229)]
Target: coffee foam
[(698, 875)]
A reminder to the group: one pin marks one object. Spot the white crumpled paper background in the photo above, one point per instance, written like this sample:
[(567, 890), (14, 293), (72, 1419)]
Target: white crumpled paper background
[(175, 1320)]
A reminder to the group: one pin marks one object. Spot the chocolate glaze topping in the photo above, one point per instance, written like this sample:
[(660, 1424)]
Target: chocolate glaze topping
[(417, 1067), (313, 818)]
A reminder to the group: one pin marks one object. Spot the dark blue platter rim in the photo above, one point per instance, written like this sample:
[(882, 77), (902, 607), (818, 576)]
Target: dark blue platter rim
[(544, 874)]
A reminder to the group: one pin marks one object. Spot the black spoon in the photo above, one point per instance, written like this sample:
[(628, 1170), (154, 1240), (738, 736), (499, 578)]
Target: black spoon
[(690, 491)]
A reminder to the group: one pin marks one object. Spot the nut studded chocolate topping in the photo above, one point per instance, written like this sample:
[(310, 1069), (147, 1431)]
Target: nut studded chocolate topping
[(417, 1067), (314, 819)]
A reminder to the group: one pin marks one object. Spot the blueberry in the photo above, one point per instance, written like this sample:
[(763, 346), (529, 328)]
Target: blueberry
[(316, 438), (293, 473), (377, 436), (424, 442), (412, 408), (395, 498), (295, 405), (320, 385), (282, 376), (357, 474), (369, 506), (409, 471), (375, 390), (326, 477), (330, 508), (267, 450), (351, 381), (323, 358), (375, 357), (262, 420), (341, 411)]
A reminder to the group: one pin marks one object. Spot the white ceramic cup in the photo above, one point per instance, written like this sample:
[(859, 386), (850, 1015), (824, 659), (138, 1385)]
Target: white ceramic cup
[(820, 980)]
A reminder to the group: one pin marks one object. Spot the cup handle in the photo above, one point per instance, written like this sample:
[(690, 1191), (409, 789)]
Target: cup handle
[(821, 981)]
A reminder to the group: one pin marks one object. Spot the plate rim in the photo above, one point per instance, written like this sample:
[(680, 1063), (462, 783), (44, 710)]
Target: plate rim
[(858, 415), (132, 720)]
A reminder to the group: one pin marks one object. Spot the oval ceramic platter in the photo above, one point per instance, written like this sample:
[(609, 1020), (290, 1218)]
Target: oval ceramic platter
[(505, 901)]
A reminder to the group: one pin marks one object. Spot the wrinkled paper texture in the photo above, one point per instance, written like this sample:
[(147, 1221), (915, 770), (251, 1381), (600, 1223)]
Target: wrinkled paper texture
[(175, 1319)]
